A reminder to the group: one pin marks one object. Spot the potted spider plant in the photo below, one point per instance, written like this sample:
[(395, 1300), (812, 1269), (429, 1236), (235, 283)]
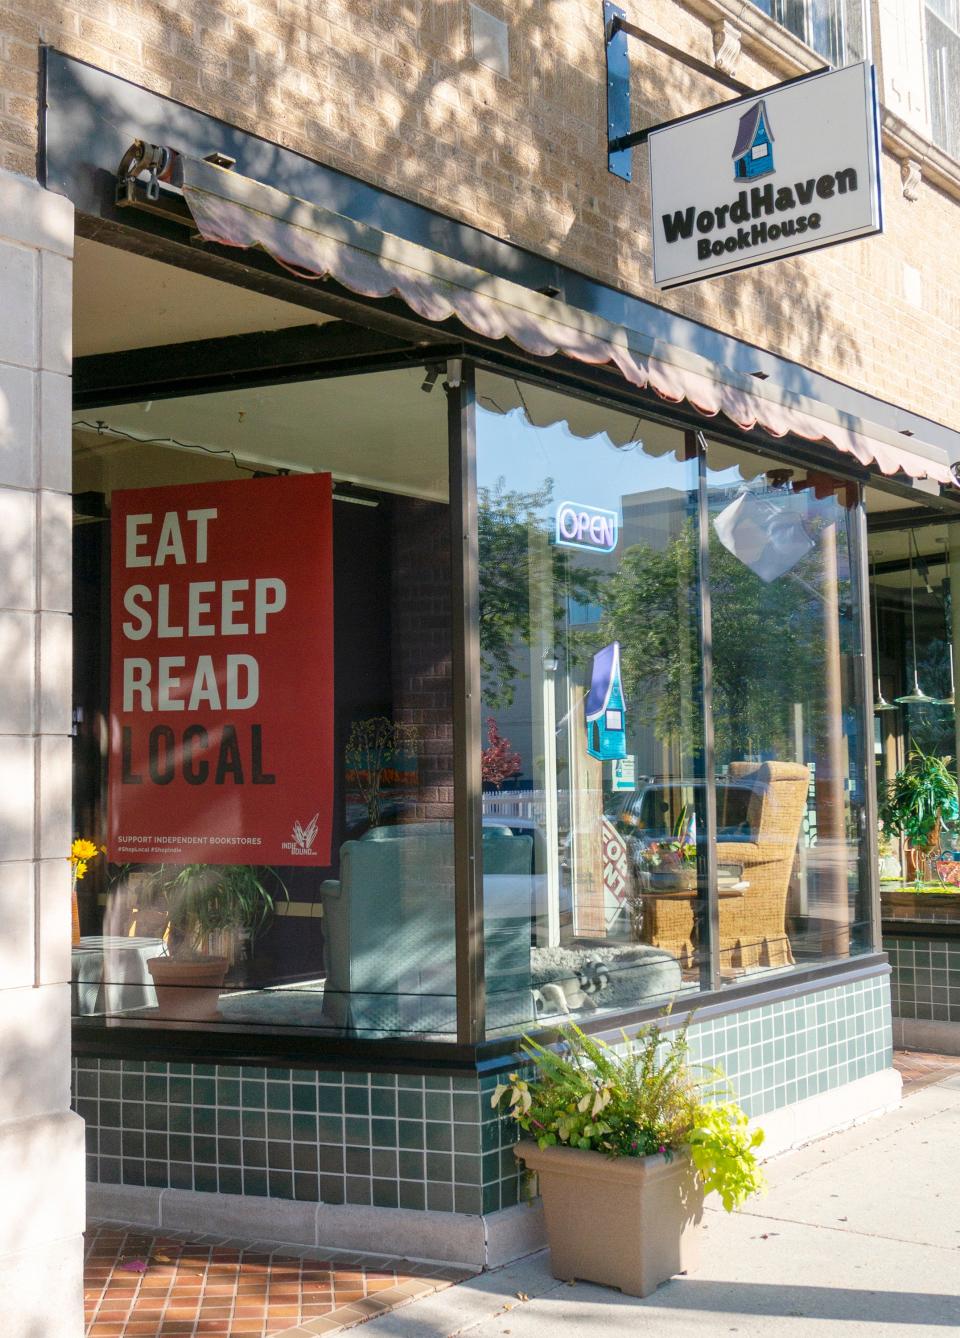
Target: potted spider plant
[(919, 799), (209, 909), (625, 1144)]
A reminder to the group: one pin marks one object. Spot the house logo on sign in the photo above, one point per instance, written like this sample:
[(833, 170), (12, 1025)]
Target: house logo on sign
[(753, 151), (303, 837)]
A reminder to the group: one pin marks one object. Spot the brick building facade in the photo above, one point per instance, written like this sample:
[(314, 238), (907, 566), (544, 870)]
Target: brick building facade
[(398, 96), (493, 116)]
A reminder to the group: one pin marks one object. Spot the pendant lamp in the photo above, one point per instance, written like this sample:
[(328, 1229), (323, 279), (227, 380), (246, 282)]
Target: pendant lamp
[(881, 703), (949, 699), (917, 697)]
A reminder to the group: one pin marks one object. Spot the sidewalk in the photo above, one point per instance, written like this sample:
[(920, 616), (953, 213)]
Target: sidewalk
[(858, 1235)]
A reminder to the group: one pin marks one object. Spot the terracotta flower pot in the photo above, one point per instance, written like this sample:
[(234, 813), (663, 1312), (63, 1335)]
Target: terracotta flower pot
[(188, 990), (627, 1222)]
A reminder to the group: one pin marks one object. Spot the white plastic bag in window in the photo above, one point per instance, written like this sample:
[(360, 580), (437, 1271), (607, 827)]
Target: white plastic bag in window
[(767, 538)]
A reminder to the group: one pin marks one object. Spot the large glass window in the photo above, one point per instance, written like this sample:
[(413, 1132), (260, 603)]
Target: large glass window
[(788, 712), (834, 28), (611, 843), (221, 617), (914, 575), (264, 710), (593, 779)]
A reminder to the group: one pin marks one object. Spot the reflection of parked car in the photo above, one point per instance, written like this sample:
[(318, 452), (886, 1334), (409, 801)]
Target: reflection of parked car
[(760, 807), (649, 813)]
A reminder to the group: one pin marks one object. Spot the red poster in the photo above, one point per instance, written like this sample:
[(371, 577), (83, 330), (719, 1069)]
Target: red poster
[(221, 673)]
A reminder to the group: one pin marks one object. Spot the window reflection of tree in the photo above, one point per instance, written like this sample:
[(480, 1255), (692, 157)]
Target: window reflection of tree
[(507, 520), (767, 644)]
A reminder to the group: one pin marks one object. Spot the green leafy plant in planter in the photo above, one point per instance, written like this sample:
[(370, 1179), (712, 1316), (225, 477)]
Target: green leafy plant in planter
[(635, 1138), (210, 909), (919, 799)]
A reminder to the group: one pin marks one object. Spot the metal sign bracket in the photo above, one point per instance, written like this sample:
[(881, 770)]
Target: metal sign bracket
[(620, 138)]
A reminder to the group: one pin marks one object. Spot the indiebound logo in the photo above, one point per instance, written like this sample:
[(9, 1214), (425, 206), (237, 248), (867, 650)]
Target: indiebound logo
[(580, 526), (303, 837)]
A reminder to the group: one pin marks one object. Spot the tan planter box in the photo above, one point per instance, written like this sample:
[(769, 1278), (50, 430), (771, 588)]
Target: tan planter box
[(940, 906), (627, 1222)]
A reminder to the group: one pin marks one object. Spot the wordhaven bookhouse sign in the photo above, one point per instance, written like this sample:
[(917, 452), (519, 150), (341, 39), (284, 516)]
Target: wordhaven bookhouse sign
[(766, 176)]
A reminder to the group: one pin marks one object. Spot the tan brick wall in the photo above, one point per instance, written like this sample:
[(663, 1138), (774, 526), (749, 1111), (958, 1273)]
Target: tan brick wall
[(390, 92)]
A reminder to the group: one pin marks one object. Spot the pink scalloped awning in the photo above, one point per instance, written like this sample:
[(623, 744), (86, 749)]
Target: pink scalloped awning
[(315, 244)]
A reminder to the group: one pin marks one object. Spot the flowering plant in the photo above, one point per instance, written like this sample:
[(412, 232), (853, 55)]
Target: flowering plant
[(498, 761), (82, 852), (669, 855), (643, 1101), (679, 852)]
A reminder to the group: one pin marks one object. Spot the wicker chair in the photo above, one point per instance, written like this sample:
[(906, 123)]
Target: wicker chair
[(669, 922), (753, 927), (768, 801)]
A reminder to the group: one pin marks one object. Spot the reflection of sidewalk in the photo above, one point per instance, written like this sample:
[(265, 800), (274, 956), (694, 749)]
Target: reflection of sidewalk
[(858, 1235)]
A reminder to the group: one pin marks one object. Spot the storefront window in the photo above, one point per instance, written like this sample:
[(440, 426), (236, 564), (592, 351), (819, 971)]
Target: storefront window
[(915, 570), (283, 558), (264, 707), (592, 764), (790, 755)]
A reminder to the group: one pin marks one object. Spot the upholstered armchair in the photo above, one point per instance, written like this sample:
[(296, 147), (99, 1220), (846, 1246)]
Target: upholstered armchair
[(753, 926), (391, 938)]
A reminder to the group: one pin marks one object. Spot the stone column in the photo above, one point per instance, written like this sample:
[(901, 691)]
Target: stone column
[(41, 1141)]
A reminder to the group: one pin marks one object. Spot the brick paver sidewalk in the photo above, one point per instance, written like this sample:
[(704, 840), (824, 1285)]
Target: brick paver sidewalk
[(919, 1069), (139, 1283)]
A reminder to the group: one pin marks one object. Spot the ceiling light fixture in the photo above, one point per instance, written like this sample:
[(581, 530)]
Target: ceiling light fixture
[(354, 501)]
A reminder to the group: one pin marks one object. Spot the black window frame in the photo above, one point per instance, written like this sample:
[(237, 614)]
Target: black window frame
[(472, 1051)]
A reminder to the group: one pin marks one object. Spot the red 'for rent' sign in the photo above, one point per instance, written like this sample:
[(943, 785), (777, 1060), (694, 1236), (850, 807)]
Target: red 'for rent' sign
[(221, 673)]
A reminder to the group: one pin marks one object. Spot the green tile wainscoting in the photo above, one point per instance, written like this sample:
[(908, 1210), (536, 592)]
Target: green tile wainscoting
[(925, 979), (416, 1142)]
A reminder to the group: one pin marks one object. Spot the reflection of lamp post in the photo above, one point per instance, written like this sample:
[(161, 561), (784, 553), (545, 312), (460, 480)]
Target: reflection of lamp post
[(831, 767), (917, 697), (544, 663)]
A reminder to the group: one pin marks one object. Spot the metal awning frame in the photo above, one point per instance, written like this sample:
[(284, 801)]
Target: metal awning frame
[(318, 245)]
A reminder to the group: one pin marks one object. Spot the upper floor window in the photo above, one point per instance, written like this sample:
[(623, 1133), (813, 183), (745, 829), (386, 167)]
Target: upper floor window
[(833, 28), (942, 26)]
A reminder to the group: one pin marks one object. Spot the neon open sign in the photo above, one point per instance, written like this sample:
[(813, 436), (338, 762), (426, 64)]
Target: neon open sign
[(580, 526)]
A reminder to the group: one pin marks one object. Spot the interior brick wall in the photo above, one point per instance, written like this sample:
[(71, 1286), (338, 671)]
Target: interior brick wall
[(389, 91), (422, 640)]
